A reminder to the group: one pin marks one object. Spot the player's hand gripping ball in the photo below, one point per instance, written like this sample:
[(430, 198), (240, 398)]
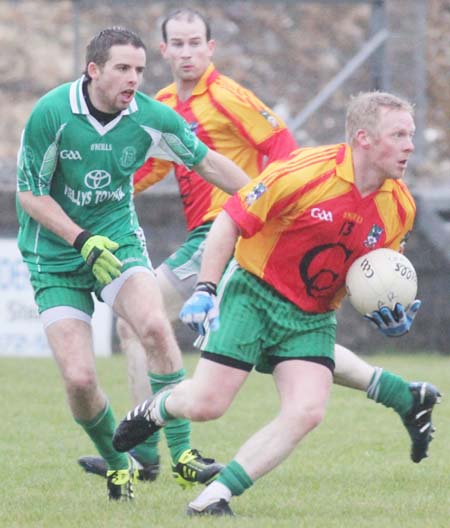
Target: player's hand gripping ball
[(382, 286), (382, 277)]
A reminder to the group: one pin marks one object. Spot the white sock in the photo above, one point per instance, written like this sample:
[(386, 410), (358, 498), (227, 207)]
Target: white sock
[(374, 387), (155, 412), (212, 493)]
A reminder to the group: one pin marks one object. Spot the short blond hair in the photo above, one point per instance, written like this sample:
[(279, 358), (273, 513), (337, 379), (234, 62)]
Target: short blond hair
[(363, 111)]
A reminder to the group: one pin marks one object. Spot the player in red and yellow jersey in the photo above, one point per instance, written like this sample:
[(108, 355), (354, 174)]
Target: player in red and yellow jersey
[(294, 232), (231, 120), (313, 196)]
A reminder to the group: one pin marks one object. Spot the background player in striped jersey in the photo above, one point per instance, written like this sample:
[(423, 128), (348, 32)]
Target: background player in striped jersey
[(279, 293), (79, 233), (233, 121)]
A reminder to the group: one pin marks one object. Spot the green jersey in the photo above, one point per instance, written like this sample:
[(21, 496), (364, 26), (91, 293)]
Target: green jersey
[(88, 167)]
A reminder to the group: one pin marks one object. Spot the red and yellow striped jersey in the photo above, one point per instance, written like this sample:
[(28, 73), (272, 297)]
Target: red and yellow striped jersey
[(231, 120), (303, 222)]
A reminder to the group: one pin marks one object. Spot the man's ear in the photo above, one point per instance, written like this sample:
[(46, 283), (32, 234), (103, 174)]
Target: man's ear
[(92, 70), (211, 46), (363, 138), (163, 48)]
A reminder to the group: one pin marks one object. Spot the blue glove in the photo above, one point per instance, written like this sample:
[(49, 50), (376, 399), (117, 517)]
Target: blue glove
[(396, 322), (201, 309)]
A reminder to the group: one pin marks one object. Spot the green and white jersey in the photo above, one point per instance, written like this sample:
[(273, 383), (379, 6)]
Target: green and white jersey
[(88, 168)]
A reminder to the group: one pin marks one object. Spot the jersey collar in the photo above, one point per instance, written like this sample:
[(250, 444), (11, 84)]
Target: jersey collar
[(209, 75), (344, 168)]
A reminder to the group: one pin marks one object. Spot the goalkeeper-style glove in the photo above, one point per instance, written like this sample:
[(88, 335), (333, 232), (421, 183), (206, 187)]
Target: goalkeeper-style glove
[(97, 252), (201, 309), (396, 322)]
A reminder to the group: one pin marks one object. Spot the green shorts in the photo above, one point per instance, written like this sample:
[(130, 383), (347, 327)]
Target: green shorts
[(259, 327), (183, 265), (75, 288)]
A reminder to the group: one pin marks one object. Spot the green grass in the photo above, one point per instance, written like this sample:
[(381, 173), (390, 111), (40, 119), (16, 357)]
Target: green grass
[(353, 471)]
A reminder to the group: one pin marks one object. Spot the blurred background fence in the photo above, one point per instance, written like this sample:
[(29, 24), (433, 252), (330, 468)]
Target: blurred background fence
[(303, 58)]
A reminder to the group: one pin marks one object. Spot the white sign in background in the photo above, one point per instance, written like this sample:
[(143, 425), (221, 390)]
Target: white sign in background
[(21, 331)]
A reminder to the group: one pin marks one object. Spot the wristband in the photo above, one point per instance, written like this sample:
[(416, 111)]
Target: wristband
[(81, 239), (207, 286)]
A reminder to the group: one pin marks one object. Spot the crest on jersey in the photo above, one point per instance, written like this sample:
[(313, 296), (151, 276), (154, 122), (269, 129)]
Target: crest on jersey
[(373, 236), (128, 157), (194, 127), (255, 193), (269, 118)]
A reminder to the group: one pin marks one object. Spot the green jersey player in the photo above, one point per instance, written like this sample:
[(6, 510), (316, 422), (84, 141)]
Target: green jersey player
[(79, 233)]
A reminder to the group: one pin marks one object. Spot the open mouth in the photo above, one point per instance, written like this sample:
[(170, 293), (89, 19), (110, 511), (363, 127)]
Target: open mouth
[(128, 94)]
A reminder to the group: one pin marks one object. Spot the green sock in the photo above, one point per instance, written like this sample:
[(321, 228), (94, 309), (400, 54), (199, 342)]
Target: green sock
[(234, 477), (177, 431), (100, 430), (390, 390)]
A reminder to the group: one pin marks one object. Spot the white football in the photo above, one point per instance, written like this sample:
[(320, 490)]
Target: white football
[(382, 277)]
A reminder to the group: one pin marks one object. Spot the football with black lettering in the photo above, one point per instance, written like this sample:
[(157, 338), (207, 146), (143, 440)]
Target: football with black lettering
[(382, 277)]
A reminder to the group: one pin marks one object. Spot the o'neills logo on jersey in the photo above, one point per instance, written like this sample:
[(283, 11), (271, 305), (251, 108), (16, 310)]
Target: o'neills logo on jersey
[(327, 216), (70, 155), (101, 146), (97, 179)]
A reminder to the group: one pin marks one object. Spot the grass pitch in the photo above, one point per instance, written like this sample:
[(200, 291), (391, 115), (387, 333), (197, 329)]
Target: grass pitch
[(353, 471)]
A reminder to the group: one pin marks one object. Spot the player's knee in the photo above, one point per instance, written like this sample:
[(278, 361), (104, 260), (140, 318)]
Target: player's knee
[(305, 419), (124, 330), (314, 417), (155, 327), (205, 409), (80, 380)]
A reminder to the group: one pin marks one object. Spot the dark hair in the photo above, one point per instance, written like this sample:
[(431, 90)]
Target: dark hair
[(98, 49), (189, 14)]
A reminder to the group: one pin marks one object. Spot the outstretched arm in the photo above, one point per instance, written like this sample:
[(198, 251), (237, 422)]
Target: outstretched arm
[(219, 248), (222, 172), (202, 309)]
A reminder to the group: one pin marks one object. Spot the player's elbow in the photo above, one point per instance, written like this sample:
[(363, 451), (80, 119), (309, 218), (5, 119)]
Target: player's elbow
[(25, 198)]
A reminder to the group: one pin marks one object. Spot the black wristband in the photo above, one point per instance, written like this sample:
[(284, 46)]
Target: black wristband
[(81, 239), (207, 286)]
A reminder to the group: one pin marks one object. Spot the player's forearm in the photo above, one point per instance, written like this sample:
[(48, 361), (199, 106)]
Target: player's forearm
[(46, 211), (219, 248), (222, 172)]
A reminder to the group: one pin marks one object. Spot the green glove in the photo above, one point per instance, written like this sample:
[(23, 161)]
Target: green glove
[(97, 252)]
